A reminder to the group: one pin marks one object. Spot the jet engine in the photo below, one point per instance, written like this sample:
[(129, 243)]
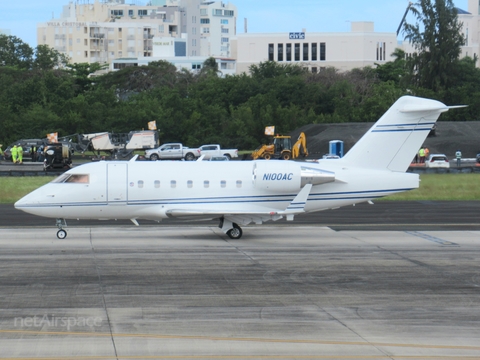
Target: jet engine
[(287, 175)]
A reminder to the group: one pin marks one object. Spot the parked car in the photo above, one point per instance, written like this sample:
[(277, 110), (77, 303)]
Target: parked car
[(330, 156), (219, 158), (478, 158), (214, 150), (172, 151), (437, 161)]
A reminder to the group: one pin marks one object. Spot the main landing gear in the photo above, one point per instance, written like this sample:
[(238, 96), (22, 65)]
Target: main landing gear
[(231, 229), (61, 234)]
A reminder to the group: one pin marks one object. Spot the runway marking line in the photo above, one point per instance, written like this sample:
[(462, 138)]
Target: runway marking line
[(393, 225), (260, 340), (431, 238), (390, 357)]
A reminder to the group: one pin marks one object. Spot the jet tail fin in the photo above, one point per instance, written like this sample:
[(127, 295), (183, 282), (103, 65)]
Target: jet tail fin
[(396, 137)]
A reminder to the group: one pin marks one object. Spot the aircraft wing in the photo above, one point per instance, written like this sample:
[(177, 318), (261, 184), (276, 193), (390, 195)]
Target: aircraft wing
[(239, 217), (256, 215)]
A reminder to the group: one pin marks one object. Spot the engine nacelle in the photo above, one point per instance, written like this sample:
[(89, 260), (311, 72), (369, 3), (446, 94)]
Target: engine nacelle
[(286, 176), (277, 175)]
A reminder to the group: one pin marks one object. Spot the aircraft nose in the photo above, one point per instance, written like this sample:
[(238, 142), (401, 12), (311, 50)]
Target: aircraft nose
[(26, 201), (21, 203)]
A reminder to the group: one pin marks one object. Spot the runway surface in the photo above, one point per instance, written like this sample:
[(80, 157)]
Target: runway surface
[(296, 292), (398, 281)]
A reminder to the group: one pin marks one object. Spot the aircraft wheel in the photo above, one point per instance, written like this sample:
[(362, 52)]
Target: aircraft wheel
[(61, 234), (235, 233)]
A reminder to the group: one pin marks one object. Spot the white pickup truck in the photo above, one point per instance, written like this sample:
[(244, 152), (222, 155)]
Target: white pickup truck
[(172, 151), (214, 150)]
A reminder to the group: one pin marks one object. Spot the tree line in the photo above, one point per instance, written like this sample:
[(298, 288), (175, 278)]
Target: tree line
[(40, 92)]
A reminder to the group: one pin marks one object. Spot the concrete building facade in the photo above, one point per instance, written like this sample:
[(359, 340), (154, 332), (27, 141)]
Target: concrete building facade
[(191, 63), (107, 30), (102, 31), (345, 51), (471, 29)]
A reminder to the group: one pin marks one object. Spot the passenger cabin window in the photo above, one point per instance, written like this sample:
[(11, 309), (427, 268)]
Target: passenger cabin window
[(140, 184), (223, 183), (173, 184), (206, 184), (73, 179), (156, 184), (239, 183), (189, 183)]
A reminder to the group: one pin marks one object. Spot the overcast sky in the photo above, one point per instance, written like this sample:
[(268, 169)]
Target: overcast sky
[(20, 17)]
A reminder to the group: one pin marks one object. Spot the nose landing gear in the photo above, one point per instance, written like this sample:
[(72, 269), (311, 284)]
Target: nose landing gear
[(61, 234)]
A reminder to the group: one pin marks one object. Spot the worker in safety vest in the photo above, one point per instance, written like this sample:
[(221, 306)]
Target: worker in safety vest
[(33, 153), (421, 155), (13, 151), (458, 156), (20, 154)]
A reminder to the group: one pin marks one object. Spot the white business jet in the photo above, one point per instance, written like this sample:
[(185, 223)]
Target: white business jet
[(243, 192)]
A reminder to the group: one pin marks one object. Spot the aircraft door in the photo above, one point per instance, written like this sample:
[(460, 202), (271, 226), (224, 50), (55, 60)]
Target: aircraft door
[(117, 183)]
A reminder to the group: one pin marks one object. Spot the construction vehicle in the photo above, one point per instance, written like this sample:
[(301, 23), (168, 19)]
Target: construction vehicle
[(119, 145), (410, 4), (281, 148), (57, 156)]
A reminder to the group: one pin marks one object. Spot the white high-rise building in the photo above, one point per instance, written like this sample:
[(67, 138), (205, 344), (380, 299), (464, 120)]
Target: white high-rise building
[(471, 30), (218, 24), (110, 29)]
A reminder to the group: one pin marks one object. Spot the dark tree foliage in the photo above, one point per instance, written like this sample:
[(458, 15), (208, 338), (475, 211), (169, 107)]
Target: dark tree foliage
[(437, 38), (38, 96), (14, 52)]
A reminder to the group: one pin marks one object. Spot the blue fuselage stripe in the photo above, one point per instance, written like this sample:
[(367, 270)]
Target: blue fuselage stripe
[(353, 195)]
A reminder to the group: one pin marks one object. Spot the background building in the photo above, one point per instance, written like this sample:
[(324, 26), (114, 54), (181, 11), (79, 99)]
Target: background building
[(107, 30), (345, 51), (191, 63), (471, 30)]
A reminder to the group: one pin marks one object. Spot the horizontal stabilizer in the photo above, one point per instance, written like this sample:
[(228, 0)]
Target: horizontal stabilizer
[(441, 108)]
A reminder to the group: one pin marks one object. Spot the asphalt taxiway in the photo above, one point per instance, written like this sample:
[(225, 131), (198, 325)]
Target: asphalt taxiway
[(190, 292), (383, 215)]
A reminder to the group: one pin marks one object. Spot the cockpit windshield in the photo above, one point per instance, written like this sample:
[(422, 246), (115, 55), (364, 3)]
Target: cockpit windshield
[(73, 179)]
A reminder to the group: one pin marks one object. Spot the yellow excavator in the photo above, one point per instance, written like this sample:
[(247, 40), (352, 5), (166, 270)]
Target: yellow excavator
[(281, 148)]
